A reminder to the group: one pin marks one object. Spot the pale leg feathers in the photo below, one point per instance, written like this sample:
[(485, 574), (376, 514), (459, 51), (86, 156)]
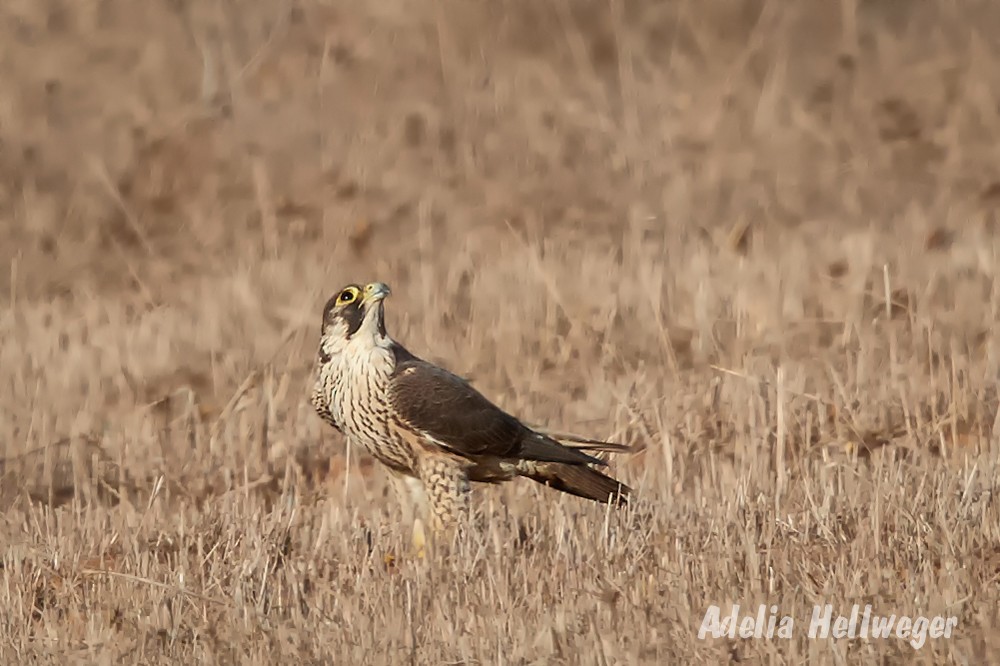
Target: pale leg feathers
[(448, 492), (435, 503), (412, 498)]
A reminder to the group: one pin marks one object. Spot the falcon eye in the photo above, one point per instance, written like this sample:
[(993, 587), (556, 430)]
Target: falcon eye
[(348, 296)]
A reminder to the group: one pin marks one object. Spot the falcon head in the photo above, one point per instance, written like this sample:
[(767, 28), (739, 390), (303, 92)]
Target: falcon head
[(354, 313)]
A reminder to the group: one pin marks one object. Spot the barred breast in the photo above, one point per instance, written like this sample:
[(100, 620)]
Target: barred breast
[(355, 388)]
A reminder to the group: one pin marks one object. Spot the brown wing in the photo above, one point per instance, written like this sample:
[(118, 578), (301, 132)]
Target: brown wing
[(443, 407)]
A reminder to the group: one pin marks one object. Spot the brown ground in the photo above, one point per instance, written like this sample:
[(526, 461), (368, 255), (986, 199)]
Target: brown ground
[(756, 240)]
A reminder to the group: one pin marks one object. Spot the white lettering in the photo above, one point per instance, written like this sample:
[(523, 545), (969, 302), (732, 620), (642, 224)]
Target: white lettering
[(903, 627), (919, 632), (771, 621), (758, 625), (820, 623), (746, 627), (860, 622), (730, 622), (785, 628), (840, 627), (710, 623), (937, 627), (882, 626)]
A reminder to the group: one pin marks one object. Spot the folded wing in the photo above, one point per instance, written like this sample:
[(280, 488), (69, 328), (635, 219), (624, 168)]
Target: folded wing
[(447, 410)]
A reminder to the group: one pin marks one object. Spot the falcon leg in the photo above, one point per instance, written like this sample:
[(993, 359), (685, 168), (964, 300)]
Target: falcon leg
[(448, 493), (413, 502), (418, 498), (419, 539)]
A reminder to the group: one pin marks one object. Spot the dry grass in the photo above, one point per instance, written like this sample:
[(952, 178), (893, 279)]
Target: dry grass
[(756, 240)]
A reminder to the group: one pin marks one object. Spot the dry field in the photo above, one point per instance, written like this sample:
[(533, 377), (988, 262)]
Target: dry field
[(757, 241)]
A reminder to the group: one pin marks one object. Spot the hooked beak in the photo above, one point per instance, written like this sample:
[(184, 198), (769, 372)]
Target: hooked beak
[(375, 292)]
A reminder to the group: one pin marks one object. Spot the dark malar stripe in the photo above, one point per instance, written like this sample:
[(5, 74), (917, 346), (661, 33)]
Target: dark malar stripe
[(353, 316)]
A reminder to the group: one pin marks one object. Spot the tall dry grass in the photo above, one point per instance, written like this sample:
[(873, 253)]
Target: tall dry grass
[(754, 240)]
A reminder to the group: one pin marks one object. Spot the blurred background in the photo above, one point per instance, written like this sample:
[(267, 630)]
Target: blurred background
[(611, 215), (744, 236), (148, 145)]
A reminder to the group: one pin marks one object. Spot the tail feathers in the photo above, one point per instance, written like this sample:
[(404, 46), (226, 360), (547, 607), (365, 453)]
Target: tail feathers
[(581, 443), (581, 481), (540, 448)]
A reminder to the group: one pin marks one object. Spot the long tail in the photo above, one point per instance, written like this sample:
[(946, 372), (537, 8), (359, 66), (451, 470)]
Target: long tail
[(579, 442), (581, 481)]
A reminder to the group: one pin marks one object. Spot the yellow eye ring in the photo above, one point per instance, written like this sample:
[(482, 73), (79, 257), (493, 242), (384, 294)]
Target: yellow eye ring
[(348, 296)]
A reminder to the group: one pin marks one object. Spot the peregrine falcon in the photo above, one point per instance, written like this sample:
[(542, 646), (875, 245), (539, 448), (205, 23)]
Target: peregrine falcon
[(431, 429)]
